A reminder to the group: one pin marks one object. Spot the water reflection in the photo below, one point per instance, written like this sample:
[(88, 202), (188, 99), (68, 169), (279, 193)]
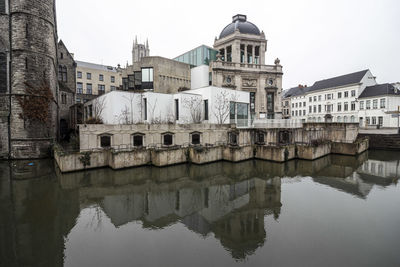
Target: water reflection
[(229, 201)]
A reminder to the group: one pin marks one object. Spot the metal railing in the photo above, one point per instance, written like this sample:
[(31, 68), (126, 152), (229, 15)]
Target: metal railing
[(277, 123)]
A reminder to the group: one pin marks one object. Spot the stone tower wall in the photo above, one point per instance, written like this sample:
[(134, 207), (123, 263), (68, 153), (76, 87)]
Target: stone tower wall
[(33, 60)]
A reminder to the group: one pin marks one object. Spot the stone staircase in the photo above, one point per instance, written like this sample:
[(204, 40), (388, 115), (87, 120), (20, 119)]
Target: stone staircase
[(383, 141)]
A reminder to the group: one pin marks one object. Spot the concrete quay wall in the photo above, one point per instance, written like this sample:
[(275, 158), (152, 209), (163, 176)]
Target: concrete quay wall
[(69, 162)]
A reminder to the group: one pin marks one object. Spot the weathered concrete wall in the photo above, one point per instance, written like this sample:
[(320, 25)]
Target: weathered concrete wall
[(127, 159), (122, 134), (72, 161), (238, 153), (313, 152), (355, 148), (276, 153), (170, 156), (201, 155)]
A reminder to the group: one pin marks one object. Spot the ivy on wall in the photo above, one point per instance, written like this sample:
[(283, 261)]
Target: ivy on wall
[(36, 103)]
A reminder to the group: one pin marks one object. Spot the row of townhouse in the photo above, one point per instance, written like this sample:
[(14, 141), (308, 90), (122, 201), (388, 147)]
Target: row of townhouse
[(354, 97)]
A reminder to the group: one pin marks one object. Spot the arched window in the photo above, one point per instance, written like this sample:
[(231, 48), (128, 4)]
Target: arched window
[(195, 138), (167, 139), (339, 119), (352, 119), (345, 119), (233, 138)]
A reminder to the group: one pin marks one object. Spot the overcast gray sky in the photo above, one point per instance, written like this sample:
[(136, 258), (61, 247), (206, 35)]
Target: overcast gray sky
[(314, 39)]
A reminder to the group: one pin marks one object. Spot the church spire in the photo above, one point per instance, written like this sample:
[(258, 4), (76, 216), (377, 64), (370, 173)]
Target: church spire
[(147, 43)]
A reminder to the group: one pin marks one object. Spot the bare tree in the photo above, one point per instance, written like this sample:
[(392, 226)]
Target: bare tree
[(126, 111), (124, 117), (221, 108), (96, 111), (193, 103)]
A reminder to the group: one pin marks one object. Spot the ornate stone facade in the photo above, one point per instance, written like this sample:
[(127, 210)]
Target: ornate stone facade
[(28, 55), (241, 65)]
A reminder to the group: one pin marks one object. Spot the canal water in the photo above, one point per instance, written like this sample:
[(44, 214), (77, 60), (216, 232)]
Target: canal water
[(335, 211)]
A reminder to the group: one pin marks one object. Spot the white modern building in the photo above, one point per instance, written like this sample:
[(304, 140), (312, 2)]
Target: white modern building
[(204, 105)]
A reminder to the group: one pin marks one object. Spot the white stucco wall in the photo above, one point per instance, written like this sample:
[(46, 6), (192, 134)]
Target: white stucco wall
[(126, 107), (199, 77)]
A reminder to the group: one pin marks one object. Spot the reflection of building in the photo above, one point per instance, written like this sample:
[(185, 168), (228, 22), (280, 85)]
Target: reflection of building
[(233, 210), (36, 216)]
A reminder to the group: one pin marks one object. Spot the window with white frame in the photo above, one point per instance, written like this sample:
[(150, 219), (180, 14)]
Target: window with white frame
[(353, 92), (373, 120), (361, 105), (375, 103), (353, 105), (383, 103), (346, 106), (346, 94), (339, 95), (368, 104), (339, 106)]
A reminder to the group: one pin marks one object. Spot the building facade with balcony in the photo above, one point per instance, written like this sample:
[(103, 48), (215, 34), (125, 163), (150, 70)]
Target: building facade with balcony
[(93, 80), (240, 65)]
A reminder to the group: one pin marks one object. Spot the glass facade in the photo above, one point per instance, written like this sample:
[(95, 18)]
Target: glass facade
[(201, 55)]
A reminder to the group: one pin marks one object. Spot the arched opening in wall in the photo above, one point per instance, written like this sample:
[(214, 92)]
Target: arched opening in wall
[(167, 139), (195, 138), (105, 140)]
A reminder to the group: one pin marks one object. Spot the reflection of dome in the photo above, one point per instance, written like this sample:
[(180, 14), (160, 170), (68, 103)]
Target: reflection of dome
[(240, 22)]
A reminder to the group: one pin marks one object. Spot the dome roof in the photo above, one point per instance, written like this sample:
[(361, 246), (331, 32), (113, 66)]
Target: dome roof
[(240, 22)]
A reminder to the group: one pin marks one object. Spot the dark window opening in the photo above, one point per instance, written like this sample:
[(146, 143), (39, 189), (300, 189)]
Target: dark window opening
[(206, 110), (2, 6), (138, 140), (177, 109), (284, 137), (125, 83), (233, 139), (105, 141), (167, 139), (242, 55), (145, 108), (26, 63), (260, 138), (196, 139)]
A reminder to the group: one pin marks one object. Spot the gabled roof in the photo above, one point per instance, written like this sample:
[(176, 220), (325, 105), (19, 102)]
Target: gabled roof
[(295, 91), (379, 90), (352, 78)]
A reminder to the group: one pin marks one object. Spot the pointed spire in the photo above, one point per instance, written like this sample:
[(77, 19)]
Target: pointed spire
[(147, 42), (135, 39)]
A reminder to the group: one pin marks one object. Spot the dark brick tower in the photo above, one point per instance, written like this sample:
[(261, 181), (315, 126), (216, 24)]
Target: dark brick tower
[(28, 58)]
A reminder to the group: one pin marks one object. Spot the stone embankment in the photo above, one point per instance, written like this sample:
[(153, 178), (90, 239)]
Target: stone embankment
[(383, 141), (76, 161)]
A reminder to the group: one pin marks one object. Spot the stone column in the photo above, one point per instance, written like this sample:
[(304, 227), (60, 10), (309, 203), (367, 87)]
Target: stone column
[(253, 52), (245, 53), (225, 59)]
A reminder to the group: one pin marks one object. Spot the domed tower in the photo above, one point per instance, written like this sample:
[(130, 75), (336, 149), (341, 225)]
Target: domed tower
[(241, 66), (31, 91)]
